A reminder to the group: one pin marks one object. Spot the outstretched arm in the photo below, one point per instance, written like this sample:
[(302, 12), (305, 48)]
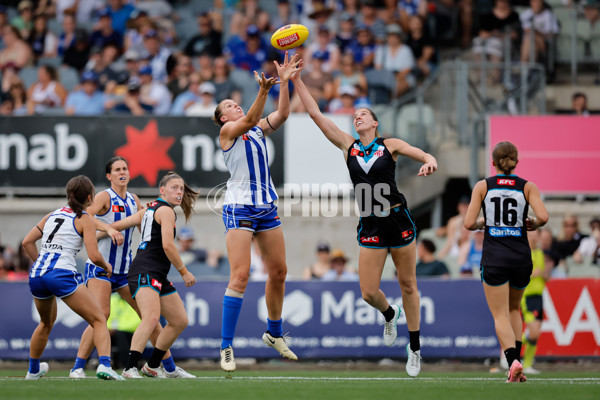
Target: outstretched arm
[(400, 147), (335, 135), (230, 131), (277, 118)]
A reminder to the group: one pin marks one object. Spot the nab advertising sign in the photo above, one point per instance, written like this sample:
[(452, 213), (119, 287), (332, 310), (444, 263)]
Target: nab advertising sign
[(45, 152)]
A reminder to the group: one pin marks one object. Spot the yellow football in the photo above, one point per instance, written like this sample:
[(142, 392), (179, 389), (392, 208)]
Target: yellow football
[(289, 36)]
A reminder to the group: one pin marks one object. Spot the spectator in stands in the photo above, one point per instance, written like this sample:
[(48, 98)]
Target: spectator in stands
[(489, 41), (24, 22), (590, 246), (157, 56), (120, 13), (318, 83), (396, 57), (337, 269), (137, 26), (224, 86), (47, 92), (344, 102), (469, 255), (368, 17), (184, 100), (579, 104), (10, 76), (286, 14), (320, 17), (189, 254), (67, 36), (181, 81), (591, 11), (105, 33), (131, 104), (6, 108), (131, 67), (547, 245), (250, 55), (321, 265), (89, 100), (43, 42), (3, 23), (208, 39), (246, 14), (345, 34), (570, 239), (81, 9), (154, 93), (205, 107), (455, 232), (409, 9), (205, 67), (18, 97), (429, 265), (350, 75), (15, 50), (541, 20), (389, 12), (107, 76), (329, 50), (363, 48), (422, 46), (77, 55)]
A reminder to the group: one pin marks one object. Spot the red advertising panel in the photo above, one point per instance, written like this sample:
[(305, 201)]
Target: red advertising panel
[(561, 154), (571, 325)]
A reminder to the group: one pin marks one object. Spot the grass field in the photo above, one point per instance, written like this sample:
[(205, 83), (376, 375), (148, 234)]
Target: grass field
[(330, 385)]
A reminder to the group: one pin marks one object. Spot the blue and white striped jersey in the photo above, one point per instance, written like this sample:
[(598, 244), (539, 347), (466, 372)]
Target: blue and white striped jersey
[(60, 243), (248, 163), (118, 256)]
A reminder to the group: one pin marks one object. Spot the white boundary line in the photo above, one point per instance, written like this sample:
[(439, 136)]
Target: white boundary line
[(342, 379)]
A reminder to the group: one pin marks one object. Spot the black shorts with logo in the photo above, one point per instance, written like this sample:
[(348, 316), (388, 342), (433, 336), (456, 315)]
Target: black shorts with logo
[(517, 277), (154, 281), (534, 305), (394, 229)]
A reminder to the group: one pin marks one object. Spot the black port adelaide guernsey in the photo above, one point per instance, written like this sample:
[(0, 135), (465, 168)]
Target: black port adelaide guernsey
[(151, 257), (505, 210), (373, 172)]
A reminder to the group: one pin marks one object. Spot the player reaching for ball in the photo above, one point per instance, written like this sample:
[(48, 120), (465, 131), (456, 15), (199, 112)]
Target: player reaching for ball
[(249, 208), (506, 262), (385, 224)]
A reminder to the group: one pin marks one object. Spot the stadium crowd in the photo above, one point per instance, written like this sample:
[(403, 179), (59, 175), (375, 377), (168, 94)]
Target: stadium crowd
[(181, 57)]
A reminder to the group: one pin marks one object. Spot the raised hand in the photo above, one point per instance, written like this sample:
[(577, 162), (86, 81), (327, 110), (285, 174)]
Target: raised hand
[(264, 82), (287, 69)]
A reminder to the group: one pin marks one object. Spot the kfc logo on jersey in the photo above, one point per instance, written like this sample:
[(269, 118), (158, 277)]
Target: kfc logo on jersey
[(370, 239), (356, 152), (506, 182), (407, 233), (245, 136), (156, 284), (153, 203), (66, 209), (116, 208)]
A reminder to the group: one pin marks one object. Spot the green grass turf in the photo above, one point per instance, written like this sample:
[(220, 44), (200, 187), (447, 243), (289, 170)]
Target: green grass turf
[(330, 385)]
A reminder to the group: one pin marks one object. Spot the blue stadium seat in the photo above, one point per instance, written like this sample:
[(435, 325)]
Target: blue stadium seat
[(69, 77), (28, 75), (381, 85)]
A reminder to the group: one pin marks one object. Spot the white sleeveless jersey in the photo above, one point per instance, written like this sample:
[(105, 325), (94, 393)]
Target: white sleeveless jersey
[(247, 161), (60, 243), (118, 256)]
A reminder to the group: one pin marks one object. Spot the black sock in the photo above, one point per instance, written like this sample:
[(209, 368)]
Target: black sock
[(415, 344), (511, 355), (134, 359), (156, 358), (389, 314), (518, 347)]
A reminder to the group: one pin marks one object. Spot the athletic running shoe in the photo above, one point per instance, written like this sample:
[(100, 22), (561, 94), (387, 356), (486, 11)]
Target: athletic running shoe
[(43, 371), (531, 371), (389, 330), (227, 360), (157, 372), (179, 373), (78, 373), (413, 364), (503, 361), (279, 344), (523, 378), (515, 372), (107, 374), (131, 373)]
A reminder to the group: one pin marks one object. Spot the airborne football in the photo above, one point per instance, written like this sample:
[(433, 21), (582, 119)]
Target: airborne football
[(289, 36)]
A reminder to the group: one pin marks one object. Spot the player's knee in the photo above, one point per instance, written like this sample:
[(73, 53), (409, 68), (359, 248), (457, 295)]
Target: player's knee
[(180, 323), (369, 296), (408, 286), (278, 274), (46, 326), (240, 279)]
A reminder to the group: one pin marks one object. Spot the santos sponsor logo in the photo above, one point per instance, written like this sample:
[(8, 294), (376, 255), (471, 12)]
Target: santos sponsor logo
[(64, 151), (584, 318), (503, 232)]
